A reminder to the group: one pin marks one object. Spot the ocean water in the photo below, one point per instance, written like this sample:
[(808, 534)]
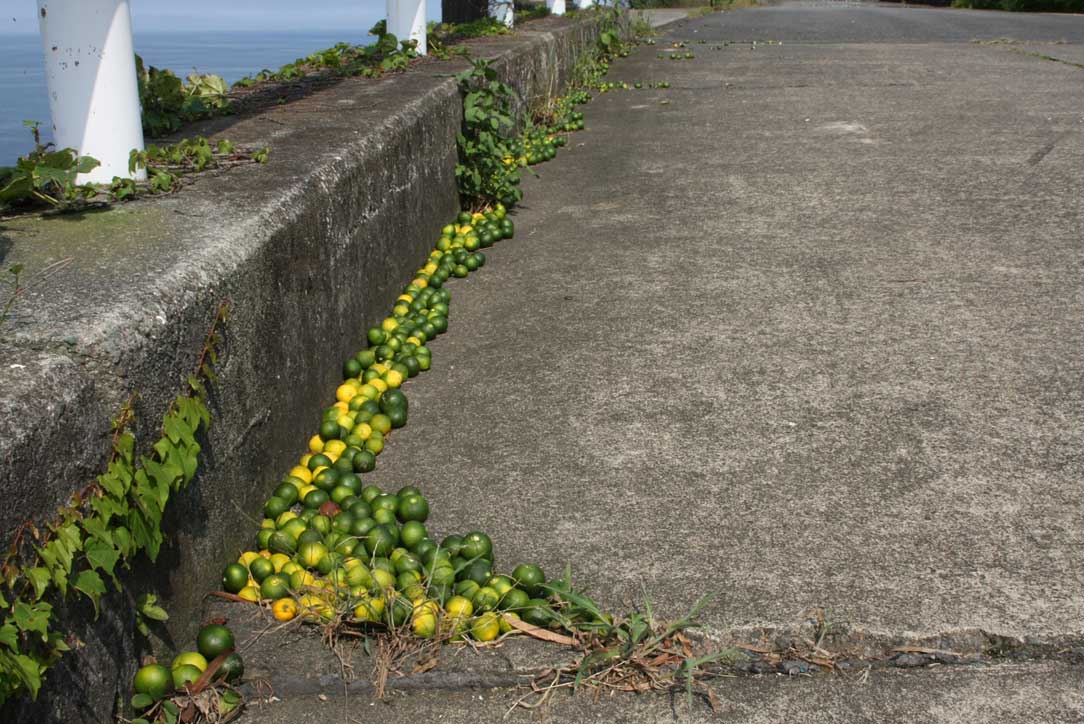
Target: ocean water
[(231, 55)]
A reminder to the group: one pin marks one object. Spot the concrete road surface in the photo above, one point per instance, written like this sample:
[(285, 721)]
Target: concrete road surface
[(804, 331)]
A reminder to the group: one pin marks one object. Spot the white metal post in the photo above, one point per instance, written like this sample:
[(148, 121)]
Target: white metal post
[(502, 11), (91, 76), (557, 7), (406, 21)]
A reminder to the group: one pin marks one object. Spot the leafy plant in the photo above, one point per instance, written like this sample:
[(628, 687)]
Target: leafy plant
[(484, 175), (45, 176), (385, 55), (167, 165), (168, 102), (105, 526)]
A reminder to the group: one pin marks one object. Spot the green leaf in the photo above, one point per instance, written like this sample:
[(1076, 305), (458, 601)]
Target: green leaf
[(97, 529), (102, 555), (141, 701), (154, 612), (33, 618), (9, 636), (123, 540), (23, 668), (40, 578), (90, 584), (149, 607), (85, 164)]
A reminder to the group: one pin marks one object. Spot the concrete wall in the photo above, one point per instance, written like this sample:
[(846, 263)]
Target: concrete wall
[(309, 250)]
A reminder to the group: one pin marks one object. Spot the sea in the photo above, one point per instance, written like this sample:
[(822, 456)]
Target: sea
[(230, 54)]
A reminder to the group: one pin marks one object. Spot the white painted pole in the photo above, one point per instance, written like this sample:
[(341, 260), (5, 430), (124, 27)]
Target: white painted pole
[(557, 7), (91, 76), (502, 11), (584, 4), (406, 21)]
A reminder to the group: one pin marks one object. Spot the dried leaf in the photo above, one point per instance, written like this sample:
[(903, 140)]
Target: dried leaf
[(539, 633)]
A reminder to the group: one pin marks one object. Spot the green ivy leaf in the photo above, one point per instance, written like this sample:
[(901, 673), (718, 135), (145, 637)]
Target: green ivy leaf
[(90, 584), (9, 636), (148, 606), (40, 578), (33, 618), (103, 556), (23, 668)]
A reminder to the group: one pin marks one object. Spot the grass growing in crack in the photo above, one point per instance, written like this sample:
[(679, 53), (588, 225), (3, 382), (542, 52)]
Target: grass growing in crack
[(634, 653)]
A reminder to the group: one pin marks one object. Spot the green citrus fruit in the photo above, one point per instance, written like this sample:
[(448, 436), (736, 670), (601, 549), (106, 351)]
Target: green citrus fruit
[(185, 675), (234, 578), (214, 640), (530, 578), (477, 545), (413, 507), (232, 669), (154, 680), (412, 532)]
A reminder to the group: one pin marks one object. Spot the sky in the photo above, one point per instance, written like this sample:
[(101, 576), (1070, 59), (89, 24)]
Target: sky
[(148, 16)]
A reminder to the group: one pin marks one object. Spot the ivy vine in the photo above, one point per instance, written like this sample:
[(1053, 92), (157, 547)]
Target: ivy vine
[(104, 527)]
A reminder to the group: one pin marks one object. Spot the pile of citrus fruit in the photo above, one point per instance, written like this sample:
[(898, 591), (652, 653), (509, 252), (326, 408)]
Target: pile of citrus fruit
[(214, 648), (330, 547)]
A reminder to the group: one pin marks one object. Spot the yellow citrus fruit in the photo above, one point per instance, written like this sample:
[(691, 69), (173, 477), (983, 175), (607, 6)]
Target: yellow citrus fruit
[(363, 430), (459, 607), (344, 421), (393, 378), (319, 469), (313, 606), (486, 627), (290, 568), (316, 444), (362, 612), (380, 368), (382, 578), (414, 340), (284, 609), (334, 447), (419, 282), (389, 324), (189, 658), (424, 620), (301, 473), (369, 392), (380, 385), (247, 557), (284, 517), (305, 490), (346, 392), (250, 593), (301, 579), (279, 560)]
